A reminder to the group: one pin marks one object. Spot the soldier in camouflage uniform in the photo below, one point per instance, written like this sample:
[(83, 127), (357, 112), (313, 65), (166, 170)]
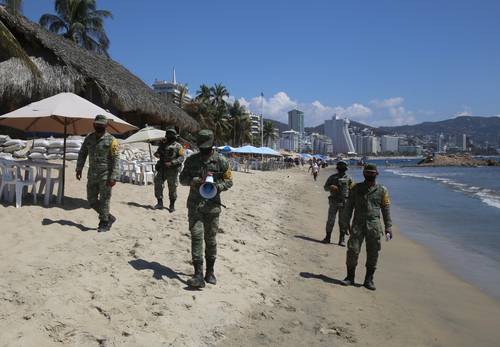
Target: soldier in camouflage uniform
[(171, 155), (338, 185), (102, 150), (204, 213), (367, 199)]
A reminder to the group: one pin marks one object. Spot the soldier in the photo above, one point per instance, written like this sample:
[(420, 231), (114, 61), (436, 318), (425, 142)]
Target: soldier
[(367, 199), (338, 185), (171, 155), (203, 214), (102, 149)]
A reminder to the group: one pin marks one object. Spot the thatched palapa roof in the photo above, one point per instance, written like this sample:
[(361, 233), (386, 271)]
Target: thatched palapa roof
[(66, 67)]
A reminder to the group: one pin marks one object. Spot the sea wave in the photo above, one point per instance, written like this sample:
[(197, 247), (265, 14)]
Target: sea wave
[(487, 196)]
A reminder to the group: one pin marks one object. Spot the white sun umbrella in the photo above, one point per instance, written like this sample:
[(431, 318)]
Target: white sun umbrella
[(64, 113), (147, 134)]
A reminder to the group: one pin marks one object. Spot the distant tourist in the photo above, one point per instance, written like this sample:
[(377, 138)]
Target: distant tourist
[(315, 170), (338, 185), (367, 199)]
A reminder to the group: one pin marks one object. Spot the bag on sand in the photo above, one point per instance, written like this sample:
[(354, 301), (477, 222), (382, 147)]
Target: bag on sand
[(38, 150), (4, 138), (71, 156), (37, 155), (13, 148), (40, 143)]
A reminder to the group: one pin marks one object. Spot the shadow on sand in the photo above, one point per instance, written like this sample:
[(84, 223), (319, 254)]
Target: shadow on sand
[(307, 238), (47, 221), (158, 270), (324, 278), (135, 204)]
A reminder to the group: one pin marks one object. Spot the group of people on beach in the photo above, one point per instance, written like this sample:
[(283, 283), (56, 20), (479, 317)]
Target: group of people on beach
[(203, 171), (208, 173), (367, 200)]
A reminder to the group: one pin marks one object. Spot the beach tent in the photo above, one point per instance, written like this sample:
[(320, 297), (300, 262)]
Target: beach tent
[(270, 151), (64, 113), (225, 148), (246, 150), (147, 134)]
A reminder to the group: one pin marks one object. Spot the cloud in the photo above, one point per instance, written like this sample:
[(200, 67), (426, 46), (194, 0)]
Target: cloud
[(391, 102), (277, 106), (392, 112)]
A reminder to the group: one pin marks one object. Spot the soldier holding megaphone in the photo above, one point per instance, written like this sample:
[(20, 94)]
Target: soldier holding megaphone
[(208, 174)]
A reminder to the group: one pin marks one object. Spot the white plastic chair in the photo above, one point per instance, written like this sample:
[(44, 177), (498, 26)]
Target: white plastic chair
[(24, 182), (50, 183), (132, 172), (9, 175), (147, 173)]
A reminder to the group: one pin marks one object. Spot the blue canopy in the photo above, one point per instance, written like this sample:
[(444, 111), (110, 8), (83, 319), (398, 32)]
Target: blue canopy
[(254, 150), (225, 148)]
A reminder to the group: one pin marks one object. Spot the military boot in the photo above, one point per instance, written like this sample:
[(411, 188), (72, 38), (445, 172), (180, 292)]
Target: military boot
[(368, 284), (197, 280), (171, 207), (159, 205), (349, 280), (209, 274), (111, 220), (342, 240), (327, 238), (102, 227)]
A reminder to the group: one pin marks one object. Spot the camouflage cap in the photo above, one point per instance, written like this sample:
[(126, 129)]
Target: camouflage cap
[(205, 138), (101, 119), (370, 168), (170, 130)]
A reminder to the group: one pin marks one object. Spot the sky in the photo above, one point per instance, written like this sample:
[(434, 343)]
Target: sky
[(380, 62)]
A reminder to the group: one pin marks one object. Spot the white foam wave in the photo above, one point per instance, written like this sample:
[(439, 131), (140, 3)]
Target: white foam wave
[(487, 196)]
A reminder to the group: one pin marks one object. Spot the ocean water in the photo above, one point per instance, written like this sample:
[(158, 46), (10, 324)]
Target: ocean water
[(453, 210)]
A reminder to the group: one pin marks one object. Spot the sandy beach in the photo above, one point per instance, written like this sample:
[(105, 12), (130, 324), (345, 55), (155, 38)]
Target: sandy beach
[(65, 284)]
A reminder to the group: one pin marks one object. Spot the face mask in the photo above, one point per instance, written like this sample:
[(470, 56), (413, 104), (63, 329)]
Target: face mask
[(205, 151), (170, 138), (370, 178), (341, 169), (99, 129)]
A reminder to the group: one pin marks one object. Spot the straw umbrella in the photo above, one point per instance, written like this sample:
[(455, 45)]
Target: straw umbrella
[(64, 113)]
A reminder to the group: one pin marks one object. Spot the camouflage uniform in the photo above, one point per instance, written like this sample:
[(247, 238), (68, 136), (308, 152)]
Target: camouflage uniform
[(104, 161), (173, 153), (337, 201), (203, 214), (367, 203)]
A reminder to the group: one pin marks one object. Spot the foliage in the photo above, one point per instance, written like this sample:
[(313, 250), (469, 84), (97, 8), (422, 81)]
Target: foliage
[(229, 122), (81, 22), (268, 132)]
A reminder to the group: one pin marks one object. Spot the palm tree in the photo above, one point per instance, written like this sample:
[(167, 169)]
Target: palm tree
[(81, 22), (9, 43), (203, 94), (218, 93), (268, 132), (240, 124)]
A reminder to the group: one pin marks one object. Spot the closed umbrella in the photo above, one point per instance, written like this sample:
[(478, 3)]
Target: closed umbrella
[(64, 113)]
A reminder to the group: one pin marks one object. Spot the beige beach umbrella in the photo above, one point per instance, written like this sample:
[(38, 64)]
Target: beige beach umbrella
[(147, 134), (64, 113)]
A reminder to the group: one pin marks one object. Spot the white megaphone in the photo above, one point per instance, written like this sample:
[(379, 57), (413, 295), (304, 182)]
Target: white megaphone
[(208, 190)]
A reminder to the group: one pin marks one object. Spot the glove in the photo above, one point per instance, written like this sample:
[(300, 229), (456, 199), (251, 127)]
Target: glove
[(111, 183)]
